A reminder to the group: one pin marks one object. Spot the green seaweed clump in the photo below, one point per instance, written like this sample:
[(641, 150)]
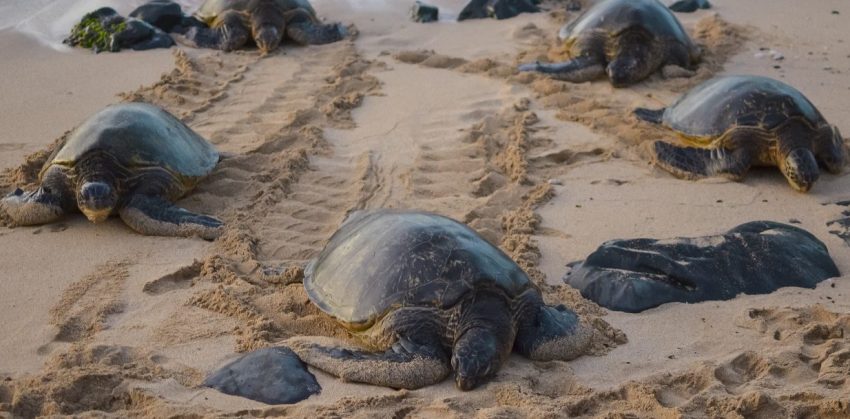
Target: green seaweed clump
[(95, 31)]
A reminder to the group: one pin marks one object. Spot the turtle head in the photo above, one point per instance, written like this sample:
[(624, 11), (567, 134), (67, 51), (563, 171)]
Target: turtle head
[(97, 200), (486, 339), (267, 37), (626, 70), (476, 356), (801, 169)]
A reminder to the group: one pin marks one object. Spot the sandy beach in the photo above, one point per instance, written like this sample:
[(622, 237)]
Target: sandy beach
[(99, 321)]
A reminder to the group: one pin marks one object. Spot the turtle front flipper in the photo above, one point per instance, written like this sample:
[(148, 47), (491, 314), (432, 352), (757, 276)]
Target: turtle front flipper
[(830, 150), (20, 208), (577, 70), (302, 28), (407, 364), (655, 116), (44, 205), (552, 333), (227, 34), (695, 163), (154, 216)]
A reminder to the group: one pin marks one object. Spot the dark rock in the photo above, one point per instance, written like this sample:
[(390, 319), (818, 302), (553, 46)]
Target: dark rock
[(689, 6), (754, 258), (499, 9), (270, 375), (105, 30), (163, 14), (424, 13)]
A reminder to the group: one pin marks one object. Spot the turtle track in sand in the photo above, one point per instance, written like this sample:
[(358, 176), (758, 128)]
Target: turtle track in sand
[(267, 117), (597, 105)]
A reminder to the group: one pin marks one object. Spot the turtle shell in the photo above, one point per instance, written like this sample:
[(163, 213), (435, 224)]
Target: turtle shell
[(212, 8), (139, 135), (722, 103), (615, 16), (385, 259)]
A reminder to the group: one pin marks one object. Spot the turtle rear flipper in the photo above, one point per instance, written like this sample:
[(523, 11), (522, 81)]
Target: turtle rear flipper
[(695, 163), (554, 334), (155, 216), (406, 365), (577, 70), (303, 28), (655, 116)]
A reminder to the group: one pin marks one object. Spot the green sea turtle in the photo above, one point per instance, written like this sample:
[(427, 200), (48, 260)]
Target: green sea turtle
[(232, 23), (132, 158), (427, 295), (627, 39), (733, 122)]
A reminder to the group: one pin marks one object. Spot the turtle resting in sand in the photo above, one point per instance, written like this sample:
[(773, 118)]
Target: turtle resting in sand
[(627, 39), (427, 295), (133, 159), (731, 123), (499, 9), (233, 23)]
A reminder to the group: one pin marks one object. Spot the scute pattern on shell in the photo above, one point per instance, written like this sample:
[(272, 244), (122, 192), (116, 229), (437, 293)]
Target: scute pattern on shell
[(140, 135), (724, 103), (413, 259), (615, 16)]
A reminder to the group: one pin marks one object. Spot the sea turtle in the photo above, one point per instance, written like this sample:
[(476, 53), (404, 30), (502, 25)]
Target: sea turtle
[(428, 295), (132, 158), (499, 9), (232, 23), (627, 39), (733, 122)]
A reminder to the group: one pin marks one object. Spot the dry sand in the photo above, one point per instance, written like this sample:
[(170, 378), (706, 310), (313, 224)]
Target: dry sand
[(99, 320)]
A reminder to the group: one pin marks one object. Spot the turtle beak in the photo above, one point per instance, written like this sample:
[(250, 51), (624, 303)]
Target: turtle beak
[(97, 216)]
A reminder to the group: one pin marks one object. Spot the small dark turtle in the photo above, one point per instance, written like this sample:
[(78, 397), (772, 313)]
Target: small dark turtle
[(627, 39), (689, 6), (731, 123), (134, 159), (232, 23), (498, 9), (429, 296)]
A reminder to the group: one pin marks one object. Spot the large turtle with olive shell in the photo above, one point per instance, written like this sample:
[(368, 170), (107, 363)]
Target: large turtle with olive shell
[(233, 23), (731, 123), (427, 295), (133, 159), (627, 39)]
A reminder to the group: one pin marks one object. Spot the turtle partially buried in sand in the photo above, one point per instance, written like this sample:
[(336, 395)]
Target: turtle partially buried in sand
[(233, 23), (626, 39), (426, 295), (133, 159), (734, 122)]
